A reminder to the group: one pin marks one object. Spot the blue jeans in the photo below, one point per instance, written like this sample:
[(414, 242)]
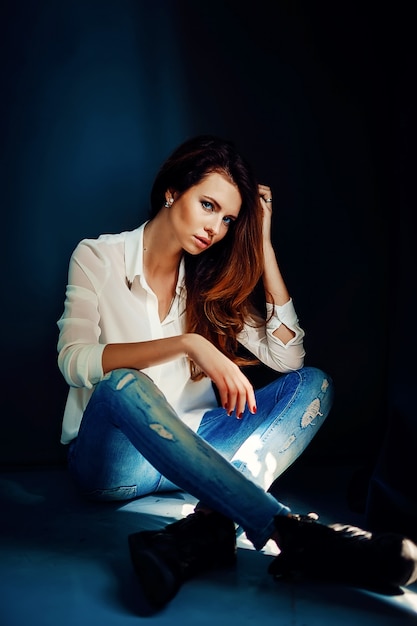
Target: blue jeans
[(132, 443)]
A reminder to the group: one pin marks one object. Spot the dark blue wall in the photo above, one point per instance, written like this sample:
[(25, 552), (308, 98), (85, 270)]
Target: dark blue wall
[(97, 93)]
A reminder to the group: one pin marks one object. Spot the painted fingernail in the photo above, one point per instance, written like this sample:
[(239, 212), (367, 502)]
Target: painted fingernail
[(254, 409), (239, 417)]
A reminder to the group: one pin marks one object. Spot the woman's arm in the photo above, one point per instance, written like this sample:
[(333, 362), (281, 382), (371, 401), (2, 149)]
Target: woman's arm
[(143, 354), (276, 291), (278, 341), (234, 388)]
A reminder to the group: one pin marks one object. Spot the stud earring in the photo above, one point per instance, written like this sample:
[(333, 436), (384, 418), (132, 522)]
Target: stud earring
[(168, 203)]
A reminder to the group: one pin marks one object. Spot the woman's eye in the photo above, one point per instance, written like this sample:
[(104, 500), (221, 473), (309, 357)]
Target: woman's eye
[(209, 207)]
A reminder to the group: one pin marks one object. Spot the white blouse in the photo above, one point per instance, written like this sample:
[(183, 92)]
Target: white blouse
[(108, 301)]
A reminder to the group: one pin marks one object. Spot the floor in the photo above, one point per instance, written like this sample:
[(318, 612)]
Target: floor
[(65, 562)]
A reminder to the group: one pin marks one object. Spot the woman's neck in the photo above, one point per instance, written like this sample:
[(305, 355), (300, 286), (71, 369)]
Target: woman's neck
[(160, 255)]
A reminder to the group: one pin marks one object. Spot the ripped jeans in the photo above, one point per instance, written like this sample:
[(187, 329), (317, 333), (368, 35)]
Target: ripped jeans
[(132, 443)]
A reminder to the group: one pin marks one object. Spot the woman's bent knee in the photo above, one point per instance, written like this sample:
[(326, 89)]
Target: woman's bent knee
[(123, 384)]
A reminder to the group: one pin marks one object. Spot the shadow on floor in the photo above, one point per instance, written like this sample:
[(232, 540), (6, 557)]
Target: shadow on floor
[(65, 561)]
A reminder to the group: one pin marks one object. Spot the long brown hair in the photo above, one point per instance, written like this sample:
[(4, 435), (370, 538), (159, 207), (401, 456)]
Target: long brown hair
[(221, 282)]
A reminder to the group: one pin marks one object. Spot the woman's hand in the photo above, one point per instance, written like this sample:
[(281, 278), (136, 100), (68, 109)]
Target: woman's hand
[(234, 388)]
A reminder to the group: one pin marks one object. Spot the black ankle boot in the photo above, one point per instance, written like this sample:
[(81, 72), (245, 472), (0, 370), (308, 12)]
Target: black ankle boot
[(164, 559), (345, 554)]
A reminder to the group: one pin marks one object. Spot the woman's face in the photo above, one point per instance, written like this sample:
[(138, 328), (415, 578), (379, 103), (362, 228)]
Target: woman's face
[(202, 215)]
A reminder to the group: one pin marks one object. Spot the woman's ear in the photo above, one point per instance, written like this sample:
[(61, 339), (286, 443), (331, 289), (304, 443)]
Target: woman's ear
[(169, 199)]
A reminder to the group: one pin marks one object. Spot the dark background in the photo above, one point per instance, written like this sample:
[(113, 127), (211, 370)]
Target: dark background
[(95, 95)]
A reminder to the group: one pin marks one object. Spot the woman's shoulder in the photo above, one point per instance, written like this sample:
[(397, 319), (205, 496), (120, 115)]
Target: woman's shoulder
[(108, 240), (105, 253), (107, 248)]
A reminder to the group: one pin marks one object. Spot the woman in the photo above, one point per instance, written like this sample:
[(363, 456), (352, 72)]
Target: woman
[(157, 325)]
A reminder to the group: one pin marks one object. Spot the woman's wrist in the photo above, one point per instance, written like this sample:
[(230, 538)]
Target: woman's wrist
[(189, 342)]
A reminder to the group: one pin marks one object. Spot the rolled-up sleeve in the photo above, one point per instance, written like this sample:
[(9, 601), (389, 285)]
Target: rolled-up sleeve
[(258, 338), (79, 348)]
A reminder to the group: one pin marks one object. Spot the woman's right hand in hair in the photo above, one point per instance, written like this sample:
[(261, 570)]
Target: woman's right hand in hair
[(234, 388)]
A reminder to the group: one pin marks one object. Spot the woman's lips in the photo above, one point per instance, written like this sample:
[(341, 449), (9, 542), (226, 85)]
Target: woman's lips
[(202, 242)]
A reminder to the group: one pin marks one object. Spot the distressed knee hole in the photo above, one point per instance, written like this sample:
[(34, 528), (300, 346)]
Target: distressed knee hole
[(124, 381), (162, 431), (311, 413)]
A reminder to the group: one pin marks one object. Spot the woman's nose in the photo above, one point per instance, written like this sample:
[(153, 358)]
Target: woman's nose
[(213, 227)]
